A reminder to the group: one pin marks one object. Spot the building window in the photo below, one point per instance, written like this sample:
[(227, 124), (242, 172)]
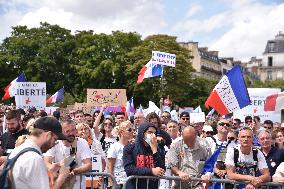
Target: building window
[(271, 46), (269, 75), (279, 75), (270, 60)]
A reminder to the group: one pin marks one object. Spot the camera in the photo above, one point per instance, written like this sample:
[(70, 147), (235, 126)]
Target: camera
[(70, 161)]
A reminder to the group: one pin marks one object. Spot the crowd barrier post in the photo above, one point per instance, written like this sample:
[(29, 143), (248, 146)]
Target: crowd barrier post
[(95, 174)]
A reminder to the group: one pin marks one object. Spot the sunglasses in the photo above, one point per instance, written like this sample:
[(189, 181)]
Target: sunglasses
[(208, 132), (231, 138), (224, 124), (130, 130), (267, 127), (185, 118)]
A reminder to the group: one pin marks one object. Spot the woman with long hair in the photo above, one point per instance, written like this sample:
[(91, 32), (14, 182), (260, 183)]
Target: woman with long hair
[(279, 138), (115, 153)]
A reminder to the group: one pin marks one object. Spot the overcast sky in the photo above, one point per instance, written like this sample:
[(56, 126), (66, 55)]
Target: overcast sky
[(235, 28)]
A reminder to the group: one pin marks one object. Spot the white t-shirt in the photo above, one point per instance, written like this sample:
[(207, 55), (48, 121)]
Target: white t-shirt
[(29, 171), (116, 151), (246, 159), (219, 142), (60, 152), (280, 168), (96, 148), (108, 142)]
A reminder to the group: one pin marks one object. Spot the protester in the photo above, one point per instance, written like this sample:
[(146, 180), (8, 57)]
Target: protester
[(88, 119), (15, 129), (279, 138), (243, 162), (165, 117), (74, 148), (274, 156), (173, 129), (115, 153), (268, 125), (184, 119), (119, 117), (30, 171), (236, 124), (144, 158), (138, 119), (186, 158), (79, 116), (207, 131)]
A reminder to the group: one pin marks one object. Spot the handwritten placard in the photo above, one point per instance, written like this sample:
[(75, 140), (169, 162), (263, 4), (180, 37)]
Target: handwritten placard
[(112, 97)]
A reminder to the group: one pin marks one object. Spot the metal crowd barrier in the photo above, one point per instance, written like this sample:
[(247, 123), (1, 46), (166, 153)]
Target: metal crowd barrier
[(104, 175), (235, 184)]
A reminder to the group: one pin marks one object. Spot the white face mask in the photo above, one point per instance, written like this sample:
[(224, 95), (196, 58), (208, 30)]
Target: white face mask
[(148, 138)]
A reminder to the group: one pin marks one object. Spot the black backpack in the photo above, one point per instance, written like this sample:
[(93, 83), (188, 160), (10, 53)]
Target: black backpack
[(5, 182), (255, 159)]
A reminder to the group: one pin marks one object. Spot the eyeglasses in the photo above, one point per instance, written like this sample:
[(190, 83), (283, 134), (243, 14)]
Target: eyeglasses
[(130, 130), (165, 117), (231, 138), (185, 118)]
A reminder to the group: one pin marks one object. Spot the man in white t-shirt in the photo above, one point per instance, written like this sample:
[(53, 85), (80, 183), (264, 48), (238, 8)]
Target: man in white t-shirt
[(243, 162), (279, 174), (70, 147)]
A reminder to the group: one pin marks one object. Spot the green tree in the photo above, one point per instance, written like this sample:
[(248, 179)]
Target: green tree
[(175, 81)]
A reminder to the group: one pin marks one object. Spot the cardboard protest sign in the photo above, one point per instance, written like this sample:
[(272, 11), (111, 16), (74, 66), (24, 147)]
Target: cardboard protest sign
[(197, 117), (30, 94), (163, 58), (112, 97), (84, 107)]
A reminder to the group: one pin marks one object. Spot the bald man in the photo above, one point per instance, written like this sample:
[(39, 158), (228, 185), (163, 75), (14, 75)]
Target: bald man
[(186, 158)]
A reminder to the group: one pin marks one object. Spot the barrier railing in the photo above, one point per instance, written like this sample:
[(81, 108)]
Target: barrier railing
[(212, 182), (103, 175)]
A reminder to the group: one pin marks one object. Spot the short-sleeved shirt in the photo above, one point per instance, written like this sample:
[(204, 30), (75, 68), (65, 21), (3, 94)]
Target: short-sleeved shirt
[(116, 151), (8, 139), (274, 158), (60, 152), (245, 159), (280, 168), (190, 161), (29, 171)]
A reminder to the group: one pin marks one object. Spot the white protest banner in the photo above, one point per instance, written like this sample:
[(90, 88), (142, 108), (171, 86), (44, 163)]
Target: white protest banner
[(197, 117), (97, 167), (258, 97), (50, 110), (163, 58), (30, 94)]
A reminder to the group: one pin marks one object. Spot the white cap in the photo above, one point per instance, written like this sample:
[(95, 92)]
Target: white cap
[(207, 128)]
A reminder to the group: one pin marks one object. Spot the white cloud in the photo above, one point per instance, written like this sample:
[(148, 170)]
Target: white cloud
[(252, 25), (193, 9), (143, 16)]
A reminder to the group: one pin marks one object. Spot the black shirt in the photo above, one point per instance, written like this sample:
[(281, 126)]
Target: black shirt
[(274, 158), (8, 139)]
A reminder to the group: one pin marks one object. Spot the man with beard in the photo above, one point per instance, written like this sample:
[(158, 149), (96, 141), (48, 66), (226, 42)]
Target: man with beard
[(72, 148), (29, 171), (13, 124)]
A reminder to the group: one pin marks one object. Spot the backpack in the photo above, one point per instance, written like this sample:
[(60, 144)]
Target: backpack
[(5, 182), (251, 170)]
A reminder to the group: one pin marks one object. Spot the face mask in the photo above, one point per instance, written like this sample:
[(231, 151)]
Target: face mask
[(148, 138)]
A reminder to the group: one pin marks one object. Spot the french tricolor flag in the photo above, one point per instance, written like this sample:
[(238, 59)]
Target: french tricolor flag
[(130, 110), (274, 102), (57, 97), (230, 94), (10, 89), (150, 70)]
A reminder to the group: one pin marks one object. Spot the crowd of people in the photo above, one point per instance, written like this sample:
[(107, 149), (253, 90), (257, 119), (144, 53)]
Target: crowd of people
[(145, 145)]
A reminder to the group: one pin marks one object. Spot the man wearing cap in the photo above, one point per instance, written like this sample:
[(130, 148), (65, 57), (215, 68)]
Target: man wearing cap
[(207, 131), (184, 119), (74, 148), (30, 171)]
